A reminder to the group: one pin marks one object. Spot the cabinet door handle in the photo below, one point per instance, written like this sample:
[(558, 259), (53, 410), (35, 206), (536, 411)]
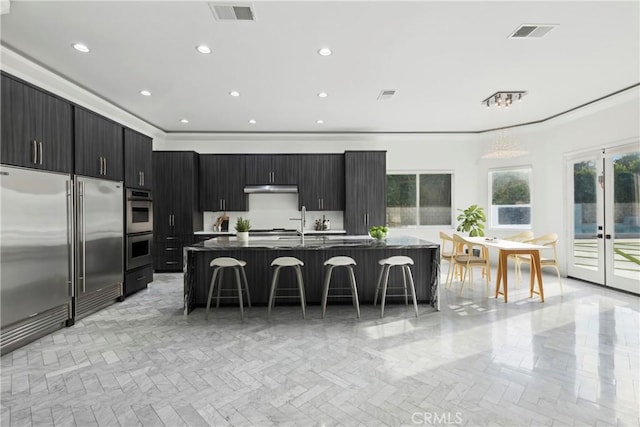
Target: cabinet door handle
[(105, 165), (367, 219), (224, 204), (169, 220), (220, 204), (40, 151), (100, 160), (142, 178), (34, 151)]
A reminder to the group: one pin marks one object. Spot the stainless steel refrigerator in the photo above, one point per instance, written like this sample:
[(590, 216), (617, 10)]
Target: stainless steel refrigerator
[(61, 250), (36, 262), (99, 244)]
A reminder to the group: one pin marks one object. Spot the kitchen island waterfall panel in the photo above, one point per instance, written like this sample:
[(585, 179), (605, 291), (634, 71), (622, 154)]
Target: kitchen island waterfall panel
[(259, 253)]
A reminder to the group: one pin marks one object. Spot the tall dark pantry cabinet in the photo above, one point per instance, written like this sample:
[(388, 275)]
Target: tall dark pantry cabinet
[(175, 206), (365, 190)]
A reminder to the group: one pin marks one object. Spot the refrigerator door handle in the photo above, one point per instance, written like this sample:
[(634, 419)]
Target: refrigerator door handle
[(83, 234), (70, 237)]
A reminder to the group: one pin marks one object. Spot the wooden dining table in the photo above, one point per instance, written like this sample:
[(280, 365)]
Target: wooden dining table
[(510, 247)]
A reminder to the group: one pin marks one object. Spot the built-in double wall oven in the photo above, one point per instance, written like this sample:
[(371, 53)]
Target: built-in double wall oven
[(139, 228)]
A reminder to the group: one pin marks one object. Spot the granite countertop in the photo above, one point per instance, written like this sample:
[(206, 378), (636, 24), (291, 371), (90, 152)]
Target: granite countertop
[(311, 243), (233, 233)]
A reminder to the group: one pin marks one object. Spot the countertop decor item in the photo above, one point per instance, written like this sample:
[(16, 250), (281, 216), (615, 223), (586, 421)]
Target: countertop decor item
[(242, 228), (378, 232)]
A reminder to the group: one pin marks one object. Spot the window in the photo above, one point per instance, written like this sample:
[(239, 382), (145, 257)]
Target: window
[(510, 196), (419, 199)]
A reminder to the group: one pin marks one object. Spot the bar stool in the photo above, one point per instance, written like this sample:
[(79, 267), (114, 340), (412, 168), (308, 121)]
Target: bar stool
[(278, 263), (219, 264), (383, 280), (348, 263)]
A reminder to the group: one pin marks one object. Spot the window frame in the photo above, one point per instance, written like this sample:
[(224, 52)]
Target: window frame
[(490, 214), (417, 174)]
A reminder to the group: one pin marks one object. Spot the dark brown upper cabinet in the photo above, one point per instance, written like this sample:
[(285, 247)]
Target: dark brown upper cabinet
[(98, 146), (36, 128), (137, 160)]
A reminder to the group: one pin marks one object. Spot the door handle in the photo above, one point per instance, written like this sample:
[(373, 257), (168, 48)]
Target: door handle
[(70, 237), (40, 151), (100, 160), (105, 165), (599, 235), (142, 178), (34, 151), (607, 236), (83, 235)]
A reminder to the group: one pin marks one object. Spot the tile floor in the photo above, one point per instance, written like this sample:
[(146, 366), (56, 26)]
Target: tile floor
[(572, 360)]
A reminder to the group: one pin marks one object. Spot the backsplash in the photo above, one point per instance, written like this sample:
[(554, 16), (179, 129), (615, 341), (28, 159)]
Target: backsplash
[(268, 211)]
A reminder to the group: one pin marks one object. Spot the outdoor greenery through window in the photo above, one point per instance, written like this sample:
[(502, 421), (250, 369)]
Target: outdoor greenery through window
[(510, 195), (419, 199)]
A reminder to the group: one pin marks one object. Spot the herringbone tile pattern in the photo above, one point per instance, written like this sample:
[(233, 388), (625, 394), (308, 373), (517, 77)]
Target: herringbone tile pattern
[(570, 361)]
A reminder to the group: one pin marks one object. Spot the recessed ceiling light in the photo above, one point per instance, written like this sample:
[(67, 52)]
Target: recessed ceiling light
[(325, 51), (81, 47), (234, 93), (322, 95), (203, 48), (252, 121), (145, 92), (319, 122), (184, 121)]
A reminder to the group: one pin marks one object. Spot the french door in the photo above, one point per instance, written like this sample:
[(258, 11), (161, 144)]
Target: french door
[(604, 221)]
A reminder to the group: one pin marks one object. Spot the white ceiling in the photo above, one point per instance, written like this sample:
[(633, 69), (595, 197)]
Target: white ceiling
[(443, 58)]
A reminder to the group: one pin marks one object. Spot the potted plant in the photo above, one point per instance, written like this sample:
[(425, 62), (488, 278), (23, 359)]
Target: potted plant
[(242, 229), (472, 221)]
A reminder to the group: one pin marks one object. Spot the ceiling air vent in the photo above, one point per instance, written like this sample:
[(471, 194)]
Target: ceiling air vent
[(532, 31), (386, 94), (230, 12)]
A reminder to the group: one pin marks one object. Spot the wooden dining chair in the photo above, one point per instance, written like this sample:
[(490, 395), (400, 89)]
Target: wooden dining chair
[(447, 252), (551, 242), (465, 258)]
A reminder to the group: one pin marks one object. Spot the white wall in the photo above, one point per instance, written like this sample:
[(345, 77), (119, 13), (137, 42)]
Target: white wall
[(607, 123)]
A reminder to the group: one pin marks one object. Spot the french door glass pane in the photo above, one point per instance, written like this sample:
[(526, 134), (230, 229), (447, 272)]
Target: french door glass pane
[(626, 215), (585, 214)]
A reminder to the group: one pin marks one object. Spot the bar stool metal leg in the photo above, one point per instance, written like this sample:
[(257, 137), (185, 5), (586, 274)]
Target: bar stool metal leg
[(239, 286), (274, 283), (384, 289), (354, 291), (413, 288), (325, 294), (211, 287), (303, 300)]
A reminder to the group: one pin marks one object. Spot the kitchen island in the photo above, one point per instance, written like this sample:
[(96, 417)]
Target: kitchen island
[(259, 252)]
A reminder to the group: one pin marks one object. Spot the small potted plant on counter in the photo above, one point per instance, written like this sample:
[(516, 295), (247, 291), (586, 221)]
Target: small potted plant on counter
[(242, 229)]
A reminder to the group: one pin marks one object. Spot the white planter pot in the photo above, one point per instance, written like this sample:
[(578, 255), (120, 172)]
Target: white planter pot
[(242, 236)]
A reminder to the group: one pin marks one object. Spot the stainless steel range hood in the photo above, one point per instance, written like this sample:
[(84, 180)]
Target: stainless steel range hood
[(271, 189)]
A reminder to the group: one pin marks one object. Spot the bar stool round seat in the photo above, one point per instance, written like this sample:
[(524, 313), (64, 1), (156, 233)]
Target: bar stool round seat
[(330, 264), (404, 262), (283, 262), (219, 264)]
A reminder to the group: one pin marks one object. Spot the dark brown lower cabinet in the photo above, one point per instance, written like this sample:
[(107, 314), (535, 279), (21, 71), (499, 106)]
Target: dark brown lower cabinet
[(138, 279)]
